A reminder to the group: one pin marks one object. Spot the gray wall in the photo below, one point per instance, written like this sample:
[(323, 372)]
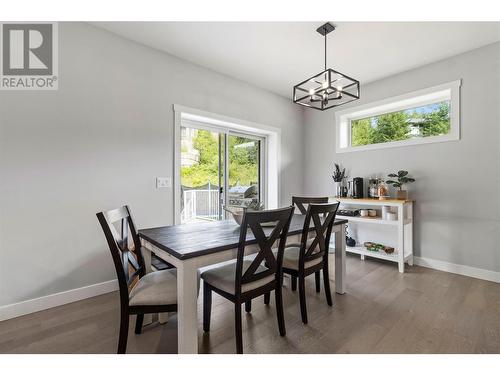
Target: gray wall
[(99, 142), (458, 183)]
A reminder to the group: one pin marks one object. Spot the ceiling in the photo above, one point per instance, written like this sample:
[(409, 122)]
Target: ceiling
[(278, 55)]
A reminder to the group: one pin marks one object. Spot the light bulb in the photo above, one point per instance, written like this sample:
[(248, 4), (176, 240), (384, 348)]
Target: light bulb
[(311, 92), (339, 88), (324, 84)]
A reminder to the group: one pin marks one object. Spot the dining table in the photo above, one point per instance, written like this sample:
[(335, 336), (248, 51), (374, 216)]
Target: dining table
[(192, 246)]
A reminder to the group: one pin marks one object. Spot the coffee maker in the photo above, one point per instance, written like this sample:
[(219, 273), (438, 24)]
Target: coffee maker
[(357, 188)]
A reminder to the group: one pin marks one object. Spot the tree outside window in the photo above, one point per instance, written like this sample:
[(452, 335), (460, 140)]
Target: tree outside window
[(425, 121)]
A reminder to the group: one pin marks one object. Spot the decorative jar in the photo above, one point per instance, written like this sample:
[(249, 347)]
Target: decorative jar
[(383, 190)]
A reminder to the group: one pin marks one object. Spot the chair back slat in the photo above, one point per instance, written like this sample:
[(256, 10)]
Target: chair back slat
[(300, 202), (113, 216), (254, 221), (133, 261), (322, 216), (119, 240), (124, 233)]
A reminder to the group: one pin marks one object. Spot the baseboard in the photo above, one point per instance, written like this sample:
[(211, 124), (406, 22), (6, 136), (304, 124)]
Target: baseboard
[(53, 300), (57, 299), (460, 269)]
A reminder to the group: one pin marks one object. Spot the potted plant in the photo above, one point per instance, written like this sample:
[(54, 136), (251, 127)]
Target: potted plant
[(402, 179), (338, 175)]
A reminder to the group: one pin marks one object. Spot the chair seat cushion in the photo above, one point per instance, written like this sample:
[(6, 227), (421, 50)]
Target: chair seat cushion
[(155, 288), (291, 259), (295, 244), (223, 277)]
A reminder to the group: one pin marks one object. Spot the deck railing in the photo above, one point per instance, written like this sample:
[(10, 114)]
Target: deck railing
[(200, 205)]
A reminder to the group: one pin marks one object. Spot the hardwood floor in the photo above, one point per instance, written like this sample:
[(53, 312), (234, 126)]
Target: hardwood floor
[(383, 311)]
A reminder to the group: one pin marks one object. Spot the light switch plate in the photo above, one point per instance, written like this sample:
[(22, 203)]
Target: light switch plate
[(163, 182)]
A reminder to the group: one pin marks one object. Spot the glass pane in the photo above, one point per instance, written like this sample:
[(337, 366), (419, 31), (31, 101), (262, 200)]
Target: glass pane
[(201, 175), (244, 171), (424, 121)]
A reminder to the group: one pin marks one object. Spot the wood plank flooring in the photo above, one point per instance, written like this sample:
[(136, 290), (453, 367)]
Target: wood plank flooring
[(383, 311)]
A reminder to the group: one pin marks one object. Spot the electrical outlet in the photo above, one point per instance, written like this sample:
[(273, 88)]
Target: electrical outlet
[(163, 182)]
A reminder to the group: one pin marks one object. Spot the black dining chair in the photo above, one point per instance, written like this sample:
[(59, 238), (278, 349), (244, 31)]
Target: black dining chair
[(302, 203), (244, 279), (140, 292), (311, 255)]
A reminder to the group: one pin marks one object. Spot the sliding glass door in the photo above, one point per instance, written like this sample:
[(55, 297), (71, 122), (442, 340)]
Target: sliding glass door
[(202, 174), (244, 158), (206, 183)]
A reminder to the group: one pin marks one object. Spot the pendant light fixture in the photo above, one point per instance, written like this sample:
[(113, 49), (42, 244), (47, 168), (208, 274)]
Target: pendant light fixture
[(327, 89)]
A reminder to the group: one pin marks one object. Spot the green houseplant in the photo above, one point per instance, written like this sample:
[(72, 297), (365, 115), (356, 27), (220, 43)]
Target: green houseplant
[(338, 176), (401, 179)]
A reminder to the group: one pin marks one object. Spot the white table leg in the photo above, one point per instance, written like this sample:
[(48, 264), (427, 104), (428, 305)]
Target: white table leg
[(340, 260), (163, 317), (146, 255), (187, 307)]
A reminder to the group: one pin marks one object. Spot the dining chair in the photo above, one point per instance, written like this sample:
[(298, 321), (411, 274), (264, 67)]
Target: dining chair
[(302, 203), (311, 255), (244, 279), (140, 292)]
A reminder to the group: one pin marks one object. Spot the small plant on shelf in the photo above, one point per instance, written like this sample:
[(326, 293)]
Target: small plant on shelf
[(402, 179), (338, 176)]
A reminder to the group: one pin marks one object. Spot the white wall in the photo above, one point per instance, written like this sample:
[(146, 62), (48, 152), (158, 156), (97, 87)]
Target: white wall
[(98, 143), (457, 191)]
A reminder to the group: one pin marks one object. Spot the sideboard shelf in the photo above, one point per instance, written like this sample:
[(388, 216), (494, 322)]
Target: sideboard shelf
[(374, 254), (372, 220), (373, 201), (403, 227)]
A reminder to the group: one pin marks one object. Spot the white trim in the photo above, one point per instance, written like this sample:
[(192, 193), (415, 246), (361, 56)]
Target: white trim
[(56, 299), (446, 91), (224, 121), (459, 269), (272, 152)]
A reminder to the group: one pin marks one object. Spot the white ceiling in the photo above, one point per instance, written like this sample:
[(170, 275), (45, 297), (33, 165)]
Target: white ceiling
[(277, 55)]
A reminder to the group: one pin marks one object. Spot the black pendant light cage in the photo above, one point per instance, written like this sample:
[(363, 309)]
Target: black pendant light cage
[(327, 89)]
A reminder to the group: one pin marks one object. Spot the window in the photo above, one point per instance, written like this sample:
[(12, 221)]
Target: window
[(234, 162), (425, 116)]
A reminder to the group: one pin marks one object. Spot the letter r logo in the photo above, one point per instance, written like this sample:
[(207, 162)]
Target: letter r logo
[(27, 49)]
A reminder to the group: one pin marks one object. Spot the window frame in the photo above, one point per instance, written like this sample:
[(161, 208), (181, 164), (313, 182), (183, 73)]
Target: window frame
[(449, 91)]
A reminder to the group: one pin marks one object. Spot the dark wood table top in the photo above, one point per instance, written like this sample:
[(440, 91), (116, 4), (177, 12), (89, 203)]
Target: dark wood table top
[(196, 239)]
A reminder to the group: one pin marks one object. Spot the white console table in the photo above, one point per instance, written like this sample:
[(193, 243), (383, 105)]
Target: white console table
[(403, 252)]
